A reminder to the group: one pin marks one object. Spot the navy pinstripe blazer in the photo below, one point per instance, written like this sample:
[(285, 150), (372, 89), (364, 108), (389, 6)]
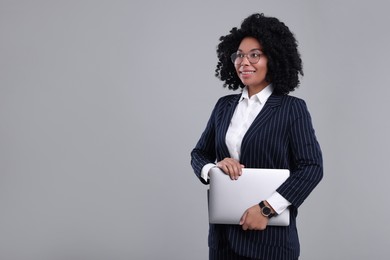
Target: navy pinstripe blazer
[(281, 137)]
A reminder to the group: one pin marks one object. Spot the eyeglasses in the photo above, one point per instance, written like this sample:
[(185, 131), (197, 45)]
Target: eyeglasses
[(253, 57)]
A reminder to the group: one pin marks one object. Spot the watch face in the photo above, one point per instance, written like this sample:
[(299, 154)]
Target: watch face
[(266, 211)]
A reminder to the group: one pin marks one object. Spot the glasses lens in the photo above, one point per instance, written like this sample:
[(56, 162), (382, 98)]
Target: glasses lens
[(253, 57)]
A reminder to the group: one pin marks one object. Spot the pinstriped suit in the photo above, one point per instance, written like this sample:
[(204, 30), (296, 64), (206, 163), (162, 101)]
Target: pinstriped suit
[(281, 137)]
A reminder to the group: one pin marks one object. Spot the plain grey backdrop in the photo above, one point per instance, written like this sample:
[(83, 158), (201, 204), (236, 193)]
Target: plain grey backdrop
[(101, 103)]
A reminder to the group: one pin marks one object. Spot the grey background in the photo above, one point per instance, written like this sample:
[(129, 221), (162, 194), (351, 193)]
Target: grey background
[(101, 103)]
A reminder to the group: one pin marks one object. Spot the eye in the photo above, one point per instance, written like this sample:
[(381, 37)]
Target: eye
[(240, 55), (255, 55)]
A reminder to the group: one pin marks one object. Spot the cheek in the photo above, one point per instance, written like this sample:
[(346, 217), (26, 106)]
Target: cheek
[(263, 69), (237, 71)]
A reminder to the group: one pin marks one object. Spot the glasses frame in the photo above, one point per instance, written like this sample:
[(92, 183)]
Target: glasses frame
[(236, 59)]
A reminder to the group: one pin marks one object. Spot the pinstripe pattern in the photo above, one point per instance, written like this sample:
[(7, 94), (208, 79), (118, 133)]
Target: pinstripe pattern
[(281, 137)]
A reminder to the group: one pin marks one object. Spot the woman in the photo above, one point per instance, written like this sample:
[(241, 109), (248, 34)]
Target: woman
[(262, 127)]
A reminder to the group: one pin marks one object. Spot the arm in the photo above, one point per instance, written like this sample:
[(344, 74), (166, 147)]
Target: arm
[(306, 169), (306, 157), (204, 155), (203, 159), (204, 151)]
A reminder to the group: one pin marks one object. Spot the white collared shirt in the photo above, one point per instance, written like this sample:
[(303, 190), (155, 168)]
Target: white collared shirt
[(246, 111)]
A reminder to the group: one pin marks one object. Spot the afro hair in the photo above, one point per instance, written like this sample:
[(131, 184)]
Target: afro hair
[(278, 44)]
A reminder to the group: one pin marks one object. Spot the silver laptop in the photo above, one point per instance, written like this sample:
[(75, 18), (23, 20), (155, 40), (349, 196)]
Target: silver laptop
[(228, 199)]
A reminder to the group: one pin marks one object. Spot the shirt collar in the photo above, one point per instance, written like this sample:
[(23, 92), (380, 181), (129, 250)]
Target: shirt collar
[(262, 96)]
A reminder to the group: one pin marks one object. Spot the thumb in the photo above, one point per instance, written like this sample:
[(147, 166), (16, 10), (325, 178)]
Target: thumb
[(242, 220)]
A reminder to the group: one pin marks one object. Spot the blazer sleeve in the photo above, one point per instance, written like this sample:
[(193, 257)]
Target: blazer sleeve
[(306, 157), (204, 151)]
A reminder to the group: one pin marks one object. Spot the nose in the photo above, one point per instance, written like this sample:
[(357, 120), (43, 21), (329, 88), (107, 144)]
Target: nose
[(245, 61)]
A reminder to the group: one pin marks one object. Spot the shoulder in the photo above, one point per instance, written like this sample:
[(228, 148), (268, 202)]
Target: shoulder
[(228, 99), (290, 102), (296, 106), (289, 105)]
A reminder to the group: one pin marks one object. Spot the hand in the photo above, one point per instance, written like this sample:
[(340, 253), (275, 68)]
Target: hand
[(231, 167), (253, 219)]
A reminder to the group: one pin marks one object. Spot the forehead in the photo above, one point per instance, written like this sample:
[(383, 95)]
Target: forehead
[(249, 44)]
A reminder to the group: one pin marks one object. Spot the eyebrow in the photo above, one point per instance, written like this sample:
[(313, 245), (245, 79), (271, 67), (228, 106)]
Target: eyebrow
[(256, 49)]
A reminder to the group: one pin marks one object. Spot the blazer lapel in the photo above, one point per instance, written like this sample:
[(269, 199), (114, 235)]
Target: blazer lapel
[(265, 114), (224, 118)]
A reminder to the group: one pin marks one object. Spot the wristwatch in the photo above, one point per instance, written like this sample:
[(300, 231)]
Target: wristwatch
[(265, 210)]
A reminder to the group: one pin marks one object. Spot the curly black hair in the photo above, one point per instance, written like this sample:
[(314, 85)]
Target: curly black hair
[(279, 45)]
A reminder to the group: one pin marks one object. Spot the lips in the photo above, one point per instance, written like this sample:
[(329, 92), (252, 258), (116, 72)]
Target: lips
[(247, 72)]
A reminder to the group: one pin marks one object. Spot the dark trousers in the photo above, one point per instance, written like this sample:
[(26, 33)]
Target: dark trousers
[(227, 254)]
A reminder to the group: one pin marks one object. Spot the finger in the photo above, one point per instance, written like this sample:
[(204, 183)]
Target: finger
[(234, 173), (223, 167), (240, 169), (227, 170), (231, 171), (245, 227), (231, 167), (234, 170)]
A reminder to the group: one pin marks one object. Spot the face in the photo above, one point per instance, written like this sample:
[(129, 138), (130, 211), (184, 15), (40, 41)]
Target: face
[(251, 74)]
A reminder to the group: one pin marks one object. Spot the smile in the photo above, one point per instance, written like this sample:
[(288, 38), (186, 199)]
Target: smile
[(246, 72)]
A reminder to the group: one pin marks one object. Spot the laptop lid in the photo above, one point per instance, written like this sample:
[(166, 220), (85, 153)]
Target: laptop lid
[(228, 199)]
